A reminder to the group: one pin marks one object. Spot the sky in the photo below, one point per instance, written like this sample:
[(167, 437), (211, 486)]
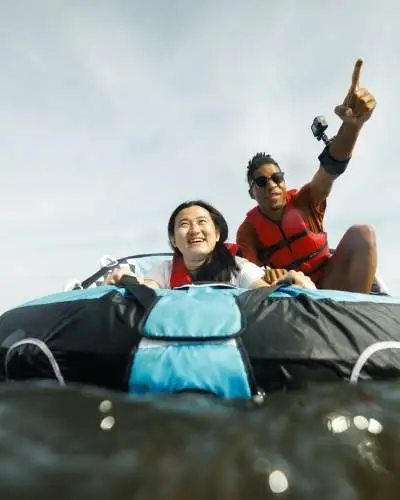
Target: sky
[(114, 112)]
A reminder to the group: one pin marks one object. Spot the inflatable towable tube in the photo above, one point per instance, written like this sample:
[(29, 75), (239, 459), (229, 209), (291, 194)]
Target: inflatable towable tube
[(230, 342)]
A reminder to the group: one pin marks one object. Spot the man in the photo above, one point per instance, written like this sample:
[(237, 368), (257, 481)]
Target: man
[(285, 231)]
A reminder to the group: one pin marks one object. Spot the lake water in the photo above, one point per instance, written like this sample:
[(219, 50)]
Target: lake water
[(336, 442)]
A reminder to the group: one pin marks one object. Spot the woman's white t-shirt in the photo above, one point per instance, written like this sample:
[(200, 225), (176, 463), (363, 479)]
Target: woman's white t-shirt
[(248, 273)]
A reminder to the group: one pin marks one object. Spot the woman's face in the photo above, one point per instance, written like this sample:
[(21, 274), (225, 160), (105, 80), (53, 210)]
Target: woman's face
[(195, 234)]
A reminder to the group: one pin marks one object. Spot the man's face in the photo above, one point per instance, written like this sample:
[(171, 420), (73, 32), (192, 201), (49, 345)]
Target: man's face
[(269, 188)]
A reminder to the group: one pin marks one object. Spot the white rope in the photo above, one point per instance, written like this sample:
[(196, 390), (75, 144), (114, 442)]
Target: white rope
[(367, 353), (45, 350), (381, 285), (108, 261), (73, 285)]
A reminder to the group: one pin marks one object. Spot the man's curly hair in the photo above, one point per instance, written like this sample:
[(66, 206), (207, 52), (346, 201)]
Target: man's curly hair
[(258, 160)]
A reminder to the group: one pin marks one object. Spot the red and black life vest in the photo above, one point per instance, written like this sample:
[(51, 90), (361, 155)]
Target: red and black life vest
[(289, 244), (181, 276)]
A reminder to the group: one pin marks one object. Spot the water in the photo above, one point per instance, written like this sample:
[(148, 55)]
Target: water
[(330, 442)]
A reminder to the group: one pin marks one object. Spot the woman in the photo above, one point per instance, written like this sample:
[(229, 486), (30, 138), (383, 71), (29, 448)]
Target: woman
[(197, 233)]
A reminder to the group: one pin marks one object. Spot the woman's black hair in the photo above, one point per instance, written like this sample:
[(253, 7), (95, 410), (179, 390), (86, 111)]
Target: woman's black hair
[(221, 264)]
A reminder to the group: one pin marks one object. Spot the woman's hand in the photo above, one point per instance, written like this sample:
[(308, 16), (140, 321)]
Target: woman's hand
[(271, 275), (116, 275)]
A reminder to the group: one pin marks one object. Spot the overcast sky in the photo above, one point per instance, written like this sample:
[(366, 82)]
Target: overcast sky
[(113, 112)]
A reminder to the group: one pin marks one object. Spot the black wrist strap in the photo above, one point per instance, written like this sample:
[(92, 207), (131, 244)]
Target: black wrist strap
[(330, 165)]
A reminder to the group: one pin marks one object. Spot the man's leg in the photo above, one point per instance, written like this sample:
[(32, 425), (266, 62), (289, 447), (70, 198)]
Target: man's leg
[(353, 265)]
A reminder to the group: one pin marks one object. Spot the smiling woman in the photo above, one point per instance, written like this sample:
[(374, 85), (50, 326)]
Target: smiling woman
[(197, 233)]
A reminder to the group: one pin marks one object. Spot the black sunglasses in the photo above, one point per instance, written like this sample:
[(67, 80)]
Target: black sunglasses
[(276, 177)]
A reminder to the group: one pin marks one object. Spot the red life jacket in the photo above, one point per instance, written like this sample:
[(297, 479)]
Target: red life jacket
[(180, 275), (289, 244)]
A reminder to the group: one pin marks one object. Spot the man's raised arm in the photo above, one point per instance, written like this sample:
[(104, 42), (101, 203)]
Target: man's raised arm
[(356, 109)]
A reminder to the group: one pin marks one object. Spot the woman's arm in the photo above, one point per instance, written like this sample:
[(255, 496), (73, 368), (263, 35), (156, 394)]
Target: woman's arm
[(259, 283)]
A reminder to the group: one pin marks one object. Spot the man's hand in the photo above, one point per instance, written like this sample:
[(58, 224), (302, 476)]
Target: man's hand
[(359, 103), (299, 279)]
